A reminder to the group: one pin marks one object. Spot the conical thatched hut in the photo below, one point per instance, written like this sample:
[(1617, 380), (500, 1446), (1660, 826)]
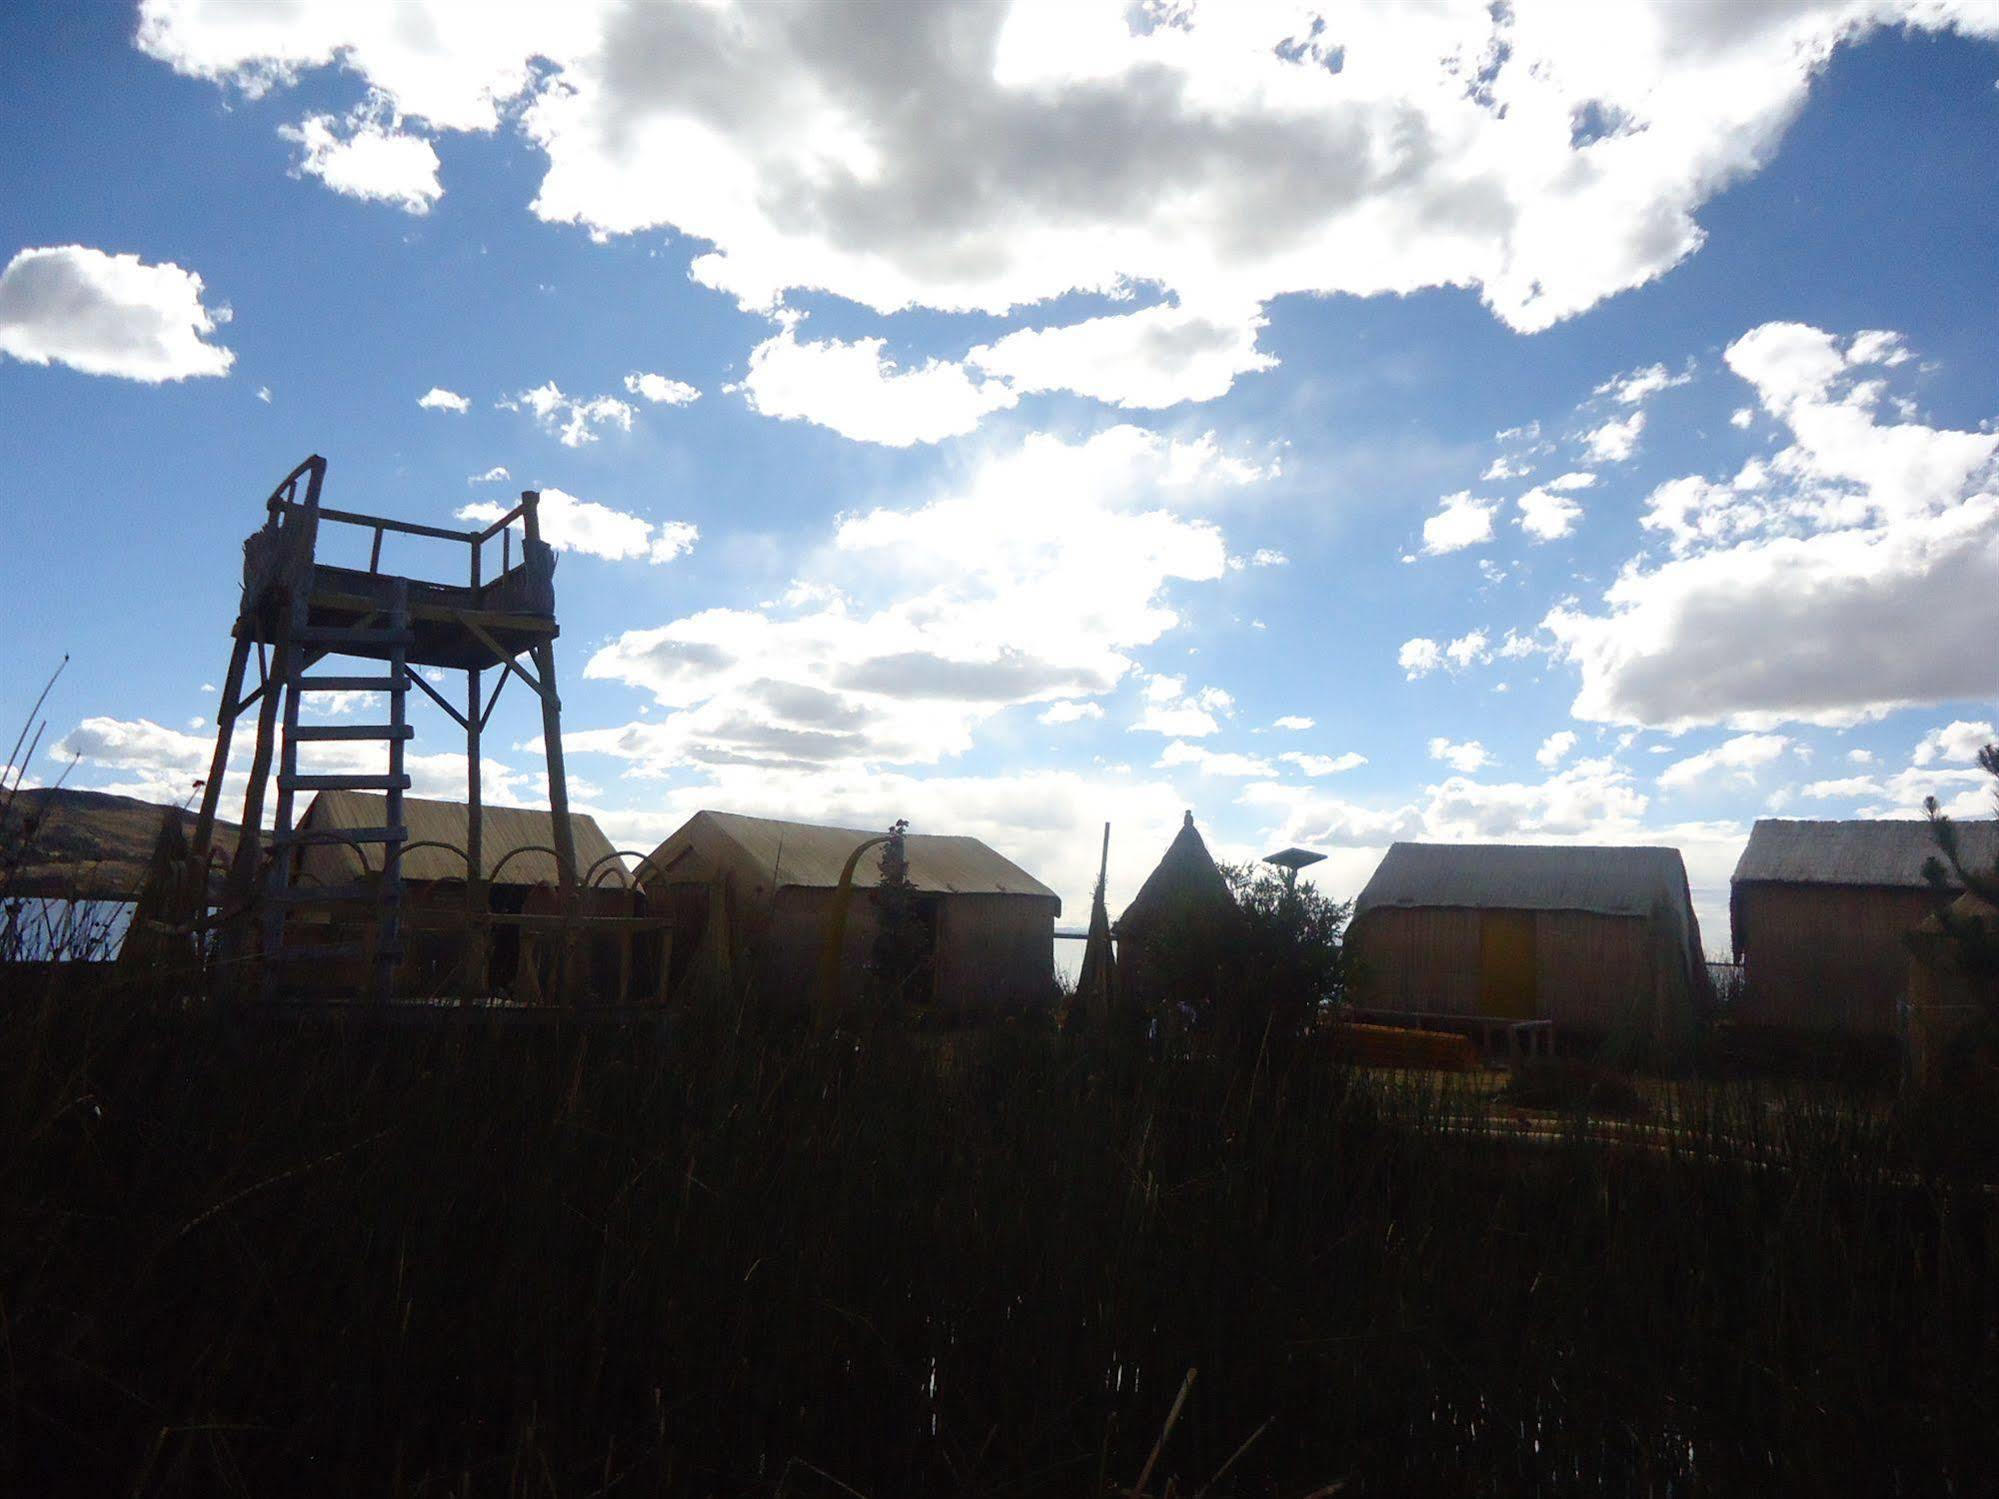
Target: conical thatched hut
[(1177, 929)]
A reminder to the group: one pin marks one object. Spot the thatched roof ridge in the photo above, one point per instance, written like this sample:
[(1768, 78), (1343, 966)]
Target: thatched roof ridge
[(503, 830), (1876, 853), (803, 855)]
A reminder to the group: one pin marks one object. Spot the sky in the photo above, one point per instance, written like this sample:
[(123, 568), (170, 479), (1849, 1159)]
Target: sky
[(1530, 423)]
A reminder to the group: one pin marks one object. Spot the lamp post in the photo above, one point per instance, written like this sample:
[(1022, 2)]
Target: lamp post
[(1291, 860)]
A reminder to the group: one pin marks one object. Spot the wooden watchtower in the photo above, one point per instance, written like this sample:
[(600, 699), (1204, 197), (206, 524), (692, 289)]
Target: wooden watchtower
[(297, 615)]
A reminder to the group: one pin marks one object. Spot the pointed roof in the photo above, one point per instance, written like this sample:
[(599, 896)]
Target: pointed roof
[(1185, 877)]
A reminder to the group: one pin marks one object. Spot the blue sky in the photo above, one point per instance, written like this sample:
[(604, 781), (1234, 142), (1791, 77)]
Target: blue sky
[(1352, 427)]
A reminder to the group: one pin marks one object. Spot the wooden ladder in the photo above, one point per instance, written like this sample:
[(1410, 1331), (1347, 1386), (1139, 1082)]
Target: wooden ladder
[(301, 645)]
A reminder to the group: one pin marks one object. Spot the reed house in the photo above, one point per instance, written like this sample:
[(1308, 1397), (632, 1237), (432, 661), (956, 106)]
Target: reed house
[(518, 869), (1602, 941), (753, 896), (1821, 912), (1178, 927)]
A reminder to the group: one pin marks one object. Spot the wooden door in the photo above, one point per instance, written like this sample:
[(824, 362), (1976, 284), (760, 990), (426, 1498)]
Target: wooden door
[(1506, 964)]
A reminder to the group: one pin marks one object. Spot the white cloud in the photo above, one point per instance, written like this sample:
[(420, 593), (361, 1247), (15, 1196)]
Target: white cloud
[(497, 474), (1468, 757), (1502, 468), (1579, 480), (1171, 710), (1741, 756), (1959, 740), (1419, 657), (1742, 416), (660, 390), (1323, 765), (1152, 359), (437, 398), (573, 420), (1880, 537), (1878, 346), (572, 525), (1554, 748), (1292, 721), (1063, 711), (1460, 522), (1614, 441), (673, 538), (1549, 158), (1261, 557), (1638, 386), (264, 394), (1860, 756), (861, 393), (1212, 762), (1468, 650), (1844, 788), (367, 156), (1546, 515), (1029, 580), (108, 315)]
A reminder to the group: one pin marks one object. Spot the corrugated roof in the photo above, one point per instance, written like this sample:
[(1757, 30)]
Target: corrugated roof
[(503, 830), (1880, 854), (1610, 881), (807, 856), (1185, 876)]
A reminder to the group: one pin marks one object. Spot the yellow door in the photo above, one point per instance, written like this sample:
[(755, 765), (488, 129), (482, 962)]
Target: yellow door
[(1506, 964)]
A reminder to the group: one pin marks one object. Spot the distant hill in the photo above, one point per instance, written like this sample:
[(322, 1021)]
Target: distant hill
[(85, 843)]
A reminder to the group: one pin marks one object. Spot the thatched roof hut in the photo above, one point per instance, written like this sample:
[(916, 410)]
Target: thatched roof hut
[(517, 844), (1181, 918), (1601, 940), (1820, 913), (989, 925)]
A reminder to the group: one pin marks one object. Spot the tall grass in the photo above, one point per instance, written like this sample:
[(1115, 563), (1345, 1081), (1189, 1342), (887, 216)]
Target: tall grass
[(716, 1257)]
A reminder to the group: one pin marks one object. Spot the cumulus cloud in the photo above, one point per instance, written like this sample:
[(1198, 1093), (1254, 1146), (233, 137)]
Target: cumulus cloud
[(1958, 740), (108, 314), (1172, 710), (1468, 757), (1150, 360), (367, 156), (1741, 757), (1323, 765), (1063, 711), (1614, 441), (1796, 587), (437, 398), (572, 525), (1001, 158), (1842, 788), (1547, 515), (660, 390), (1029, 579), (574, 421), (1638, 386), (858, 391), (497, 474), (1292, 721), (1460, 522), (1419, 657), (1212, 762), (1555, 747)]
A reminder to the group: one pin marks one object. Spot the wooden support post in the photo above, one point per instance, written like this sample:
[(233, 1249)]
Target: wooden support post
[(211, 790), (475, 831), (569, 972)]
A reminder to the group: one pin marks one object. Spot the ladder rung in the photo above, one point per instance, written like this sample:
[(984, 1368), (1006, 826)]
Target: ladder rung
[(350, 635), (332, 950), (300, 837), (342, 783), (353, 731), (349, 684), (325, 895)]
